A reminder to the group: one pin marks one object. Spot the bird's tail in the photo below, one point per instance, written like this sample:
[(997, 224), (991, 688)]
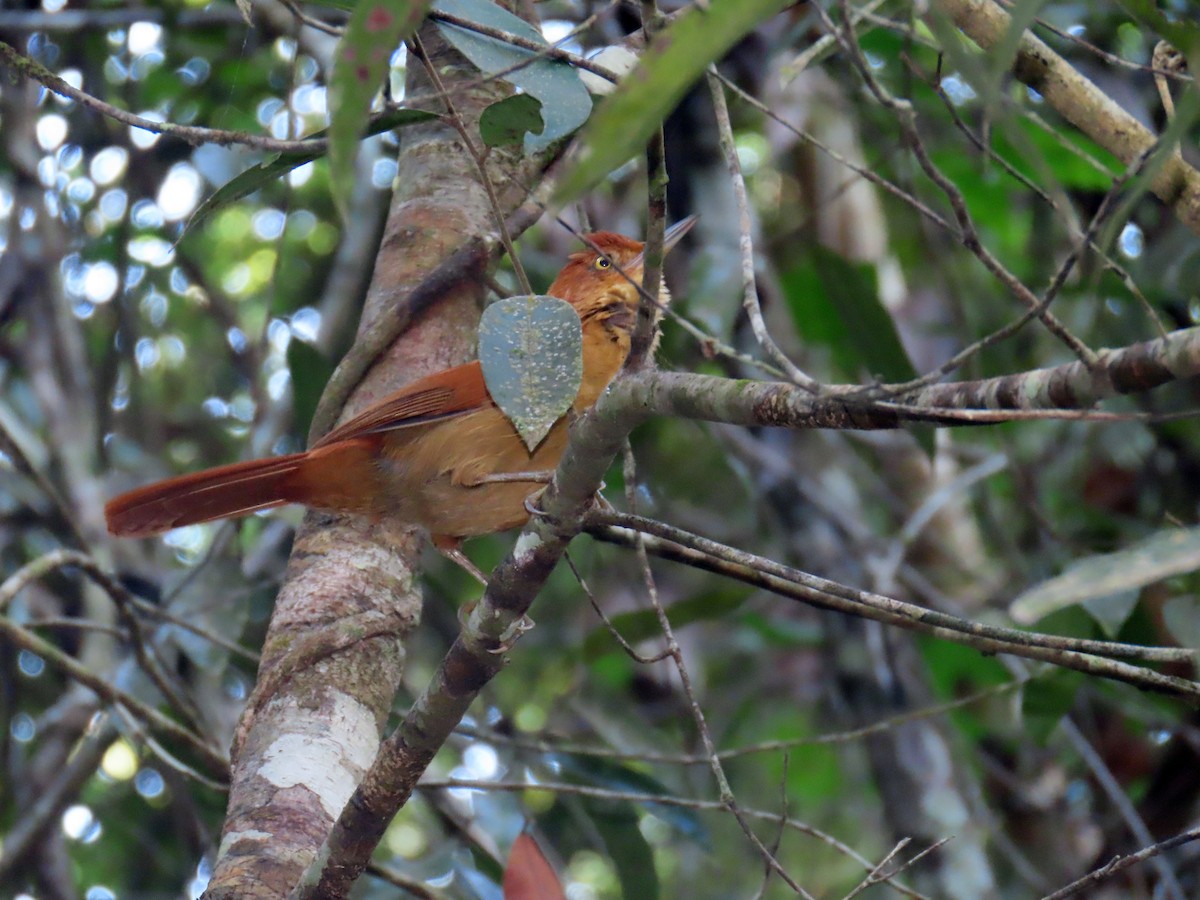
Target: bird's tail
[(234, 490)]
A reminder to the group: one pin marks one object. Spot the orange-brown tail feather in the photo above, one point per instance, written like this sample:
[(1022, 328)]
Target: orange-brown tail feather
[(233, 490)]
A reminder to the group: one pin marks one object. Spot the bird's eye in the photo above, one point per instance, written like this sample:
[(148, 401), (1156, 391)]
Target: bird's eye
[(602, 262)]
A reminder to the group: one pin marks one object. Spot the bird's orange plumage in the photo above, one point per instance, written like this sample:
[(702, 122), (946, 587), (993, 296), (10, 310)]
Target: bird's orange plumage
[(420, 454)]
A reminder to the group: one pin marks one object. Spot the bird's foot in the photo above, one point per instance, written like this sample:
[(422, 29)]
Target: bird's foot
[(512, 634), (541, 476), (451, 548)]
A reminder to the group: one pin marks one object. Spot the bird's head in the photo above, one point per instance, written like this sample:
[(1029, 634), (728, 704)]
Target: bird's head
[(602, 281)]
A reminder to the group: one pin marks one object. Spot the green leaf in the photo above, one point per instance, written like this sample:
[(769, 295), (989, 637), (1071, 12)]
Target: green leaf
[(853, 290), (1181, 615), (375, 29), (1112, 611), (677, 57), (642, 624), (507, 121), (566, 103), (279, 164), (310, 372), (1172, 551), (1045, 700), (835, 302), (531, 351), (615, 776)]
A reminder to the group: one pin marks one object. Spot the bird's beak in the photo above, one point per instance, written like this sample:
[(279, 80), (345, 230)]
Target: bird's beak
[(673, 236)]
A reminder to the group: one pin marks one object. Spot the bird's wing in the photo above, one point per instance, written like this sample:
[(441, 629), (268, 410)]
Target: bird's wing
[(441, 395)]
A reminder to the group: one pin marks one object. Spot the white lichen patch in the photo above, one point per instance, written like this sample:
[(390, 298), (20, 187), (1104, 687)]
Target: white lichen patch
[(327, 751), (250, 834)]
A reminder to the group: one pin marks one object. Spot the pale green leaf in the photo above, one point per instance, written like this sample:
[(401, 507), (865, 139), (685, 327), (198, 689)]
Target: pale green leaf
[(1167, 553), (531, 351)]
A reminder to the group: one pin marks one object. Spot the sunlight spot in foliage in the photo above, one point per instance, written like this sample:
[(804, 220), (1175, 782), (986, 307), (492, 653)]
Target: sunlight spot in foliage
[(140, 137), (236, 339), (278, 383), (237, 279), (30, 664), (405, 839), (1131, 241), (268, 223), (323, 238), (285, 48), (149, 783), (262, 265), (481, 761), (112, 204), (173, 350), (180, 192), (267, 109), (189, 542), (752, 150), (146, 214), (383, 171), (51, 131), (143, 37), (310, 100), (79, 824), (556, 30), (197, 886), (146, 354), (22, 728), (195, 71), (242, 408), (108, 165), (306, 324), (300, 175), (593, 876), (151, 250), (70, 156), (530, 717), (120, 761), (957, 90), (100, 282)]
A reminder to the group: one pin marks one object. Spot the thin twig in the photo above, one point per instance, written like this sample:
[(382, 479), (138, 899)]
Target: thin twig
[(750, 301), (826, 594), (685, 680), (1121, 863)]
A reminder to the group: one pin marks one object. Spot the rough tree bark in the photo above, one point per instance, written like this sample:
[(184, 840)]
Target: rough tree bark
[(335, 649)]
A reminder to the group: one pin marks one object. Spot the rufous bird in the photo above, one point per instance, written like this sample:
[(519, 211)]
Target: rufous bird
[(423, 455)]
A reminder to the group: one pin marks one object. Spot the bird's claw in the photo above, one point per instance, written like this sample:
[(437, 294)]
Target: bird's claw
[(512, 634), (530, 505)]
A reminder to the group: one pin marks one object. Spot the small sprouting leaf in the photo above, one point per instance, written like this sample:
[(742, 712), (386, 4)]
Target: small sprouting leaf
[(531, 350), (375, 29), (529, 875), (1166, 553), (565, 101), (678, 56), (278, 164), (506, 121)]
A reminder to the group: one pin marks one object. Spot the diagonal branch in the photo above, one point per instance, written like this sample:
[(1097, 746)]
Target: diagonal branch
[(1077, 99)]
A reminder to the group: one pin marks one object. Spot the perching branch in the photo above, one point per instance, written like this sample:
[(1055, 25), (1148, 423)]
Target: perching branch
[(1078, 100)]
